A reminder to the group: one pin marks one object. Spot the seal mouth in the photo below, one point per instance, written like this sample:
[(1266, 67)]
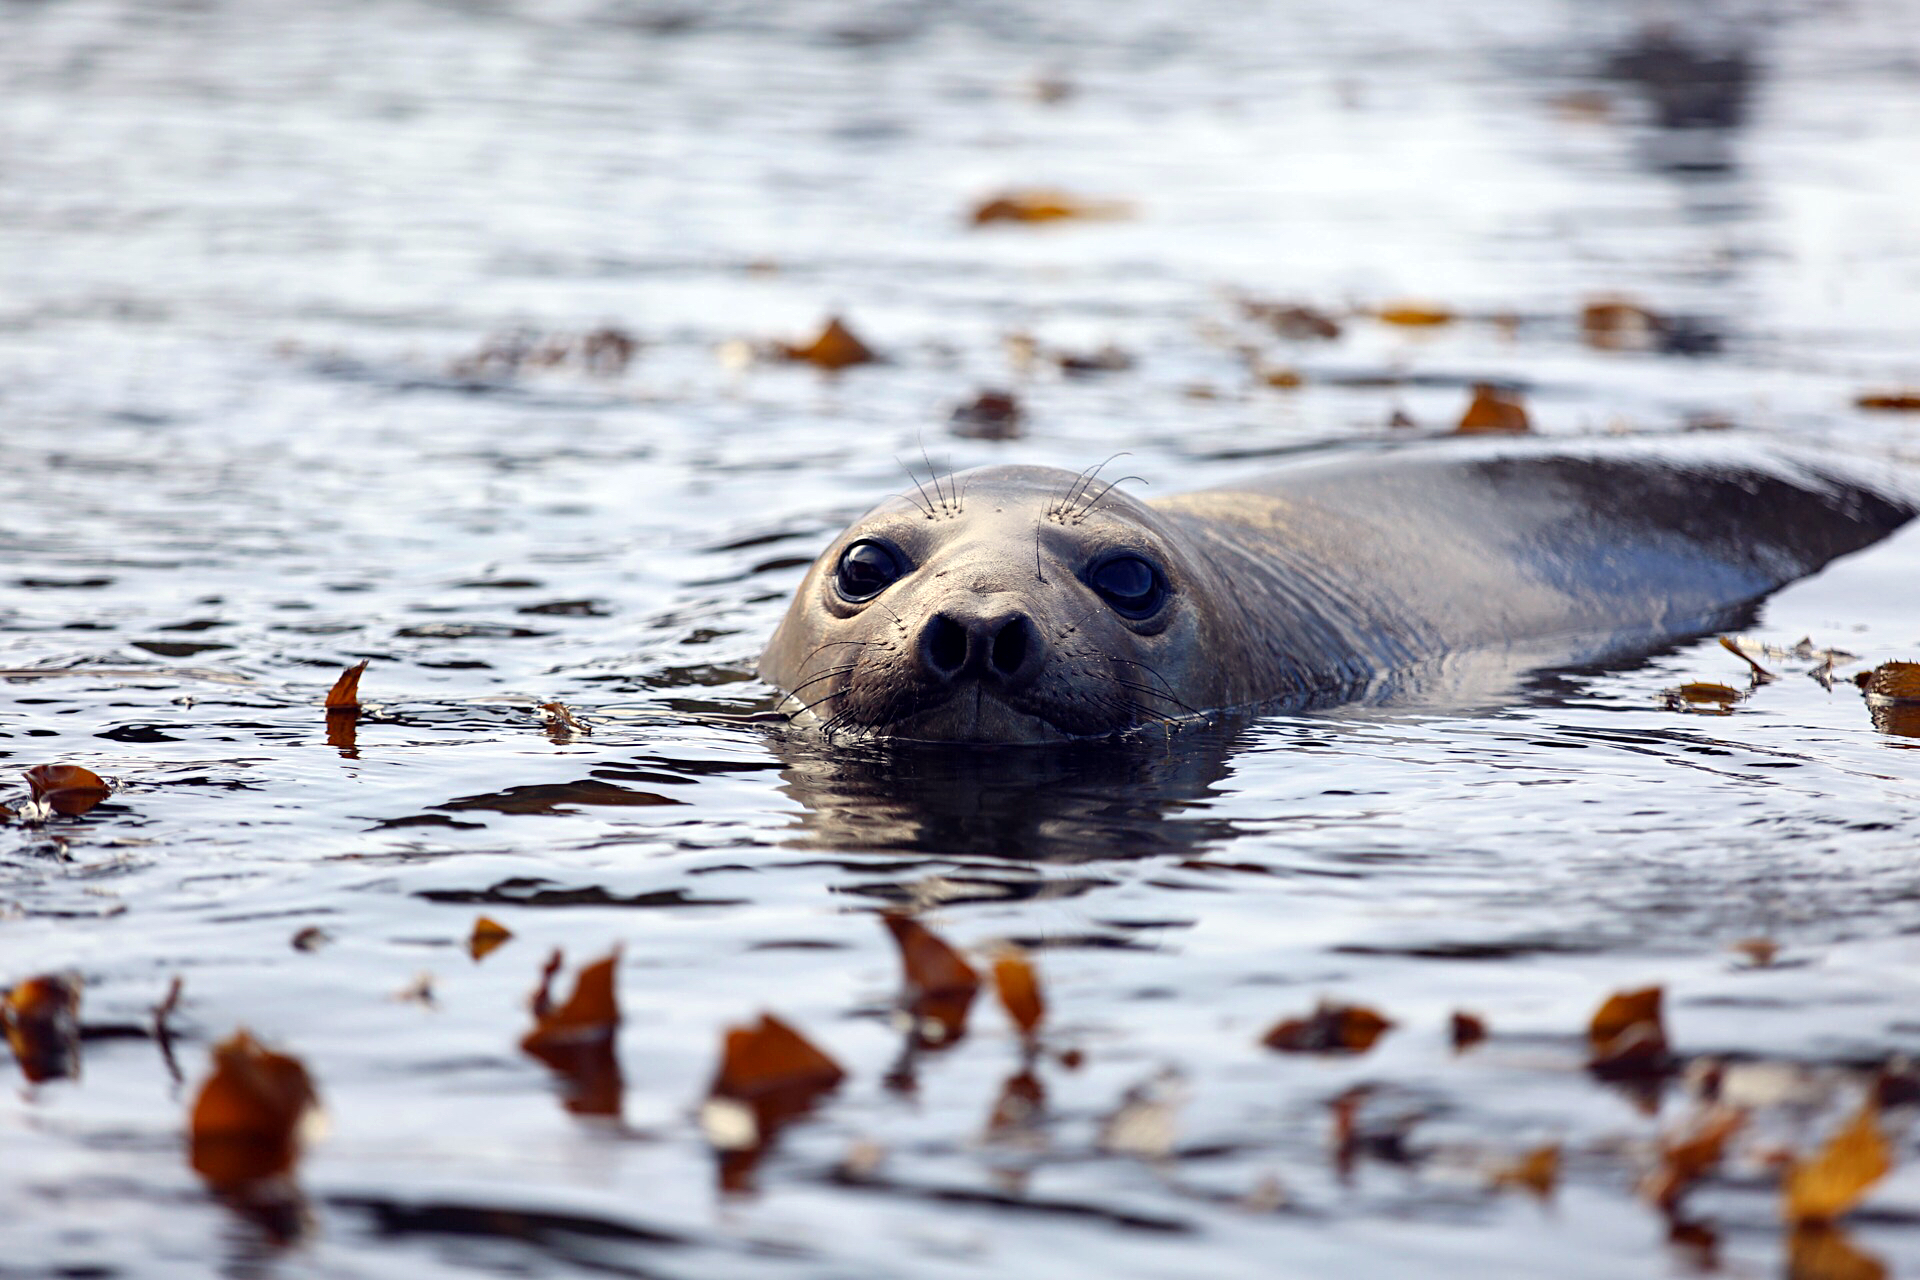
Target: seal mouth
[(974, 714)]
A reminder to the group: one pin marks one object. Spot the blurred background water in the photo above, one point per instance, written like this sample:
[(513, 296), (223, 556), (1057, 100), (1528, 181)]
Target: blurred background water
[(294, 372)]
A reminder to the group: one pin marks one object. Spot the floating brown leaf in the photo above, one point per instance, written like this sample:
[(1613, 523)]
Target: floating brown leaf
[(1019, 990), (487, 937), (769, 1075), (1292, 320), (1732, 646), (1042, 205), (561, 721), (1414, 315), (1285, 379), (591, 1014), (577, 1039), (1823, 1188), (835, 348), (1494, 410), (991, 415), (1702, 696), (1331, 1028), (1691, 1156), (1080, 364), (1468, 1030), (42, 1020), (247, 1121), (1903, 401), (1894, 681), (1537, 1171), (344, 697), (769, 1058), (1760, 952), (939, 984), (1817, 1251), (1627, 1034), (67, 789), (1614, 324)]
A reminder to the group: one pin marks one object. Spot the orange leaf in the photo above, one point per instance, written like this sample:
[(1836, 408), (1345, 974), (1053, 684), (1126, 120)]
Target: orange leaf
[(42, 1020), (1817, 1251), (68, 789), (1468, 1031), (1537, 1171), (590, 1015), (1759, 672), (246, 1123), (488, 935), (1039, 205), (1689, 1158), (930, 965), (835, 348), (1627, 1033), (1821, 1189), (1614, 324), (769, 1058), (1898, 681), (1331, 1028), (1019, 990), (344, 697), (1414, 315), (1494, 410), (1897, 401)]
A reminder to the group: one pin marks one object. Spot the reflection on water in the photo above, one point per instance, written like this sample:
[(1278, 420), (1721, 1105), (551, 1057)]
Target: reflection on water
[(424, 335)]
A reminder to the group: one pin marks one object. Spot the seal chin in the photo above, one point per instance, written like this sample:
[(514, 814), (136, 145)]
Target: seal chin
[(975, 715)]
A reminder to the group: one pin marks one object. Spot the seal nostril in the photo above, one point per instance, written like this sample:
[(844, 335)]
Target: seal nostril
[(1009, 649), (944, 645)]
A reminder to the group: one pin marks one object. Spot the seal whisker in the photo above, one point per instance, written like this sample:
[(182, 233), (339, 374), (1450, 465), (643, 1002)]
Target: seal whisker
[(1080, 517), (828, 674), (916, 484)]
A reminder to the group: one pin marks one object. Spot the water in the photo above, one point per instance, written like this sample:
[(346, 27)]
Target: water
[(249, 256)]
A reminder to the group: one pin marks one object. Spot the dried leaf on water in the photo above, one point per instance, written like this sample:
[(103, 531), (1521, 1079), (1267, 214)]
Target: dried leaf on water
[(561, 720), (591, 1014), (344, 697), (1704, 696), (488, 936), (1414, 315), (1818, 1251), (68, 789), (938, 984), (1537, 1171), (1283, 378), (1330, 1028), (1293, 320), (836, 347), (577, 1039), (1081, 364), (1691, 1156), (42, 1019), (1760, 952), (1037, 204), (1627, 1034), (1893, 681), (1732, 646), (1901, 401), (1467, 1030), (251, 1114), (1018, 986), (1615, 324), (1823, 1188), (1145, 1123), (769, 1075), (991, 415), (1494, 410)]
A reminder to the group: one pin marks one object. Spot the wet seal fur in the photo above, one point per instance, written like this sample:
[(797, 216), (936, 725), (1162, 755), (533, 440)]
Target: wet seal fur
[(1020, 604)]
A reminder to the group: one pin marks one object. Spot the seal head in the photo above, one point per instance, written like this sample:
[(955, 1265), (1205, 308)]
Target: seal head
[(1015, 604)]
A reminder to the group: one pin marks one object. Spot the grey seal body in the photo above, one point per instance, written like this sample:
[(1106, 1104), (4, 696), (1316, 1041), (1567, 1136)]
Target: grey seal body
[(1027, 604)]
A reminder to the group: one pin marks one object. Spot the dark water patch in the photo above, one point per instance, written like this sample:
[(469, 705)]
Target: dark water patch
[(556, 798), (530, 892)]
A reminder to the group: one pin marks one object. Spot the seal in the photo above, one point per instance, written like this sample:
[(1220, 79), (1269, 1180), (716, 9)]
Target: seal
[(1016, 604)]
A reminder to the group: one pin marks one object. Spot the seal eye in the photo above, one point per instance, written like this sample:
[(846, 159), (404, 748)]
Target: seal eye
[(1132, 586), (866, 569)]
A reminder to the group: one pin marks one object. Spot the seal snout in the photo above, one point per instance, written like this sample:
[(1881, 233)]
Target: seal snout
[(1002, 649)]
